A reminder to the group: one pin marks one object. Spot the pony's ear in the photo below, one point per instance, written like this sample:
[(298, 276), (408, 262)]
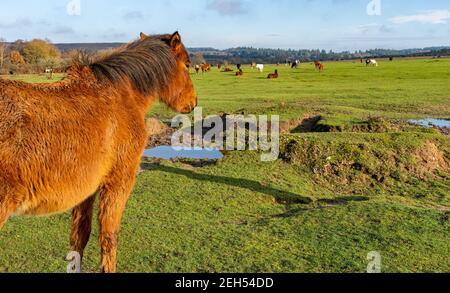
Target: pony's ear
[(143, 36), (175, 41)]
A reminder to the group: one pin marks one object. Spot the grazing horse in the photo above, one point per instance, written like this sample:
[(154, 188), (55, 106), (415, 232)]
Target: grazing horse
[(260, 67), (371, 62), (273, 75), (63, 144), (317, 64), (240, 73), (227, 69), (49, 73), (205, 68), (321, 67), (295, 64)]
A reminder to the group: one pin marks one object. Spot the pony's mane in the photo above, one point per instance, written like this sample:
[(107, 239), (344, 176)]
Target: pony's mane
[(148, 64)]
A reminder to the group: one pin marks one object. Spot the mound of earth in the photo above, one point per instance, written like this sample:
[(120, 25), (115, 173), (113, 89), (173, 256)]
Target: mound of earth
[(366, 162), (159, 133), (317, 123)]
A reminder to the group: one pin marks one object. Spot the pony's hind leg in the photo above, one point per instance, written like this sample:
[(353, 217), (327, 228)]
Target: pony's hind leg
[(81, 225), (113, 198)]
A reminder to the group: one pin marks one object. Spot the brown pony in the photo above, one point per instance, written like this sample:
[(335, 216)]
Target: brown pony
[(240, 72), (321, 67), (205, 68), (64, 143), (273, 75), (317, 64)]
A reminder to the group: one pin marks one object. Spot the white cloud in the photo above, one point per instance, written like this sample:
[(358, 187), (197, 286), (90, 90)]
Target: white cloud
[(427, 17), (227, 7), (365, 28)]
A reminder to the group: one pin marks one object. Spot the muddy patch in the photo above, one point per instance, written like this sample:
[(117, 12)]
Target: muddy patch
[(308, 123), (429, 159), (315, 123), (159, 133)]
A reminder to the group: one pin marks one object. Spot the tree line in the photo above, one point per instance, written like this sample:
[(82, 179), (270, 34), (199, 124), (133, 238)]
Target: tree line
[(244, 55), (35, 56), (25, 57)]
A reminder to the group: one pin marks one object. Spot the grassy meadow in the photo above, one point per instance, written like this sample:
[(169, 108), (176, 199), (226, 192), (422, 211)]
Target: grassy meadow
[(360, 180)]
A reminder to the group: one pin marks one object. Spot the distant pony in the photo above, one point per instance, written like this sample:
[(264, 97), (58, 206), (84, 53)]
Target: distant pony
[(205, 68), (49, 73), (227, 69), (295, 64), (260, 67), (197, 68), (253, 65), (321, 67), (273, 75), (317, 64), (240, 73), (219, 66), (371, 62)]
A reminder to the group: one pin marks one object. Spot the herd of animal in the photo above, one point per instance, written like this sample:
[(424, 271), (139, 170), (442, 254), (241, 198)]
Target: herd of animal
[(204, 67)]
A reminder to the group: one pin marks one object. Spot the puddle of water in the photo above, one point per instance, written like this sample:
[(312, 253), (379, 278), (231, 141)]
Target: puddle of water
[(441, 123), (168, 152)]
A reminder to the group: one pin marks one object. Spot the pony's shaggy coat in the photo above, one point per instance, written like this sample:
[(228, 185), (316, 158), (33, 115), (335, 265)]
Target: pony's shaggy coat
[(63, 143)]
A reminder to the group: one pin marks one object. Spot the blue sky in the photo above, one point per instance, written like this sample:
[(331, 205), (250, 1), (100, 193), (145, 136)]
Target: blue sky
[(324, 24)]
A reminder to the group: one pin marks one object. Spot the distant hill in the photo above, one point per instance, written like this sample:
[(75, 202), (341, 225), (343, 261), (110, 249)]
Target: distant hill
[(87, 46), (248, 54)]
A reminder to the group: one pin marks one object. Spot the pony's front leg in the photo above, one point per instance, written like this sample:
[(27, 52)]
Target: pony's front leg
[(113, 198), (81, 225), (7, 208)]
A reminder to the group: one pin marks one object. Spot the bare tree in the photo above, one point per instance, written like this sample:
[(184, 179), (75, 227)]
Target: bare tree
[(2, 52), (198, 59)]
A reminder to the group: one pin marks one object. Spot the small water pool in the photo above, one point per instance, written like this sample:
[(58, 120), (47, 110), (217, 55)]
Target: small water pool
[(431, 122), (168, 152)]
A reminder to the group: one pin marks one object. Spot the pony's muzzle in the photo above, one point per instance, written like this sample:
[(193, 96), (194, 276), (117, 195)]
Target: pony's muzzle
[(191, 107)]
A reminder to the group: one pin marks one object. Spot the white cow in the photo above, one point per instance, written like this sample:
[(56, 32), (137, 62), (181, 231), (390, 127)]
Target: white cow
[(260, 67)]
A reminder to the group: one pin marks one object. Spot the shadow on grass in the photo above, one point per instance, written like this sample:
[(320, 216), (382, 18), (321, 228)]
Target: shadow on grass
[(281, 196), (329, 203)]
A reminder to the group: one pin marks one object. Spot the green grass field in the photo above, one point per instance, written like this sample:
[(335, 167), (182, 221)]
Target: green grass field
[(374, 184)]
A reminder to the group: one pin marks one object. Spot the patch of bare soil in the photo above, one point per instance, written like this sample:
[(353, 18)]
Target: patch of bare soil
[(159, 133), (308, 123), (429, 158)]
